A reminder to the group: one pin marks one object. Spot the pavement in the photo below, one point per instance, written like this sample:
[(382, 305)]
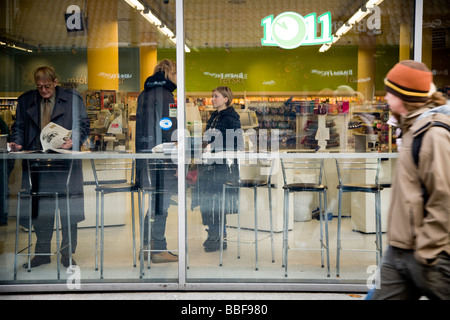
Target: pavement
[(261, 296)]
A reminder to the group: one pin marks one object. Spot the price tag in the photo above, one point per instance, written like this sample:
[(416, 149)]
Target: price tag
[(173, 110)]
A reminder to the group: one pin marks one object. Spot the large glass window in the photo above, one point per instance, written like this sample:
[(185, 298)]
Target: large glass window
[(264, 83), (435, 43), (305, 78)]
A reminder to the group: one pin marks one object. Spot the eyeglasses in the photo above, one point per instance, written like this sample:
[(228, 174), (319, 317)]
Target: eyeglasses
[(45, 86)]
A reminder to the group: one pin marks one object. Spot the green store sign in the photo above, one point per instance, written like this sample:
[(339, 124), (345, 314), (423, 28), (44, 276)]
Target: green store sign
[(290, 30)]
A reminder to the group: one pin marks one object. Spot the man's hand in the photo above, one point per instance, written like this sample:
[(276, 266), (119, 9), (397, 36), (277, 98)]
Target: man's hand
[(67, 145), (15, 147)]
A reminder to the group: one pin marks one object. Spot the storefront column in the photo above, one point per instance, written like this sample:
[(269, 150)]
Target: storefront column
[(427, 46), (405, 42), (148, 60), (103, 50), (366, 67)]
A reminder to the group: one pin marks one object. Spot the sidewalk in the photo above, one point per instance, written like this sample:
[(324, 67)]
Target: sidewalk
[(187, 296)]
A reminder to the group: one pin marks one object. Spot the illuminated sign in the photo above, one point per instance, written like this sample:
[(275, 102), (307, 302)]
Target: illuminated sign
[(290, 30)]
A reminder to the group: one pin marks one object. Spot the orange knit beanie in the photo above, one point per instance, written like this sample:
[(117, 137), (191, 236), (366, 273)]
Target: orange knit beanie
[(409, 80)]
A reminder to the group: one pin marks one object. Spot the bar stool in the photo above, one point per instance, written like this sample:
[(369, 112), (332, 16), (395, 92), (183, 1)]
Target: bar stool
[(112, 186), (291, 167), (374, 188), (35, 168), (155, 166), (266, 168)]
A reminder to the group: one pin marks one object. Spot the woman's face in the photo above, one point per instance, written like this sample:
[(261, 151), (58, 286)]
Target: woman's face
[(219, 102)]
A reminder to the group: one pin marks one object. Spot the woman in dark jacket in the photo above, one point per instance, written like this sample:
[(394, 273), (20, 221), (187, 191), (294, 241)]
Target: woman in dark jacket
[(155, 125), (69, 112), (222, 136)]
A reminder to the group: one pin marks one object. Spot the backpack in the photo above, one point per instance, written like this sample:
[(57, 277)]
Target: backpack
[(417, 143)]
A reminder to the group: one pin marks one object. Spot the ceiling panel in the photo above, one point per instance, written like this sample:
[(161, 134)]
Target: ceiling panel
[(208, 23)]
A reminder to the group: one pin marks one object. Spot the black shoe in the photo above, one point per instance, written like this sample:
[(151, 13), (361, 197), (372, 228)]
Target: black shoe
[(37, 261), (213, 245), (65, 261)]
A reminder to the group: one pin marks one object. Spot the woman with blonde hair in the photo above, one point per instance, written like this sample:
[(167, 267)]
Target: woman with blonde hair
[(153, 106)]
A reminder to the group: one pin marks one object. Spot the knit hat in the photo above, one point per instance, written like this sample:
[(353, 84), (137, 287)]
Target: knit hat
[(409, 80)]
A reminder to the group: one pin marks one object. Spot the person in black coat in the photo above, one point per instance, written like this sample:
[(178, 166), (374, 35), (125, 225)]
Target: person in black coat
[(155, 125), (67, 109), (6, 167), (222, 134)]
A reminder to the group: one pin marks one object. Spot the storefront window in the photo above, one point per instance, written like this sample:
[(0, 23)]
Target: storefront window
[(305, 79), (435, 43), (300, 82)]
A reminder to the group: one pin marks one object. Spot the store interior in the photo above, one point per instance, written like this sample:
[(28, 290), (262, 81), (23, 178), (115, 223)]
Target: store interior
[(109, 52)]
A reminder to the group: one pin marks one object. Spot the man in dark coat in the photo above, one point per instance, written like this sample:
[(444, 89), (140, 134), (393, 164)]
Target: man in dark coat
[(6, 166), (66, 108)]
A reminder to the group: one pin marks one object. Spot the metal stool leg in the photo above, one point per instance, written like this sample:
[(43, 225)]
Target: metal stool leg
[(222, 224), (102, 232), (271, 222), (141, 195), (327, 244), (380, 226), (255, 204), (338, 234), (133, 228), (378, 230), (239, 233), (30, 226), (69, 232), (58, 230), (17, 236), (96, 228), (286, 231), (149, 227), (321, 217)]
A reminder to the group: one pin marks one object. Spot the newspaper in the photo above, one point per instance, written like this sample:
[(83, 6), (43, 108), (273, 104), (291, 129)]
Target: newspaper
[(53, 136)]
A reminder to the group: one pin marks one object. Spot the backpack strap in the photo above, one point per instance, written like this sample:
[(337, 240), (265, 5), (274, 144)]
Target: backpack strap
[(418, 137), (417, 143)]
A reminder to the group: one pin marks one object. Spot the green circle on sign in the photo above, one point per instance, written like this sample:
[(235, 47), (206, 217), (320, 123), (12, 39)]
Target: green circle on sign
[(289, 30)]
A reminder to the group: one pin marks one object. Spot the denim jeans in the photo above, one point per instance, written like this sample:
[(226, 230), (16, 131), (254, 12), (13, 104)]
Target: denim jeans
[(160, 205)]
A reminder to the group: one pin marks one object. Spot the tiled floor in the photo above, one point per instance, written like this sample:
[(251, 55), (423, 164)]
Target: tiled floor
[(204, 267)]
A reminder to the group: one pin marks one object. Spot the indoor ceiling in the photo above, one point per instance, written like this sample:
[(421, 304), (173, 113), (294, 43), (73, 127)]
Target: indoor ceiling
[(40, 24)]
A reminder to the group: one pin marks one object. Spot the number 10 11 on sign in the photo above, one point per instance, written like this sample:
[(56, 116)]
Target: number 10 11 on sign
[(290, 30)]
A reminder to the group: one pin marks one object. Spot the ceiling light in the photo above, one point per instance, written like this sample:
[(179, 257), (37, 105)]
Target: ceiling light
[(372, 3), (135, 4), (347, 26), (344, 29), (151, 17), (19, 48), (166, 31)]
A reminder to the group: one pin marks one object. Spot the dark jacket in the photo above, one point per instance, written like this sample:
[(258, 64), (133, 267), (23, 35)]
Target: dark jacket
[(211, 177), (70, 113), (222, 121), (153, 105)]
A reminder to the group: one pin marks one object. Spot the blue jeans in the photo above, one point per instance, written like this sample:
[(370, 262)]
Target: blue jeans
[(159, 212)]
